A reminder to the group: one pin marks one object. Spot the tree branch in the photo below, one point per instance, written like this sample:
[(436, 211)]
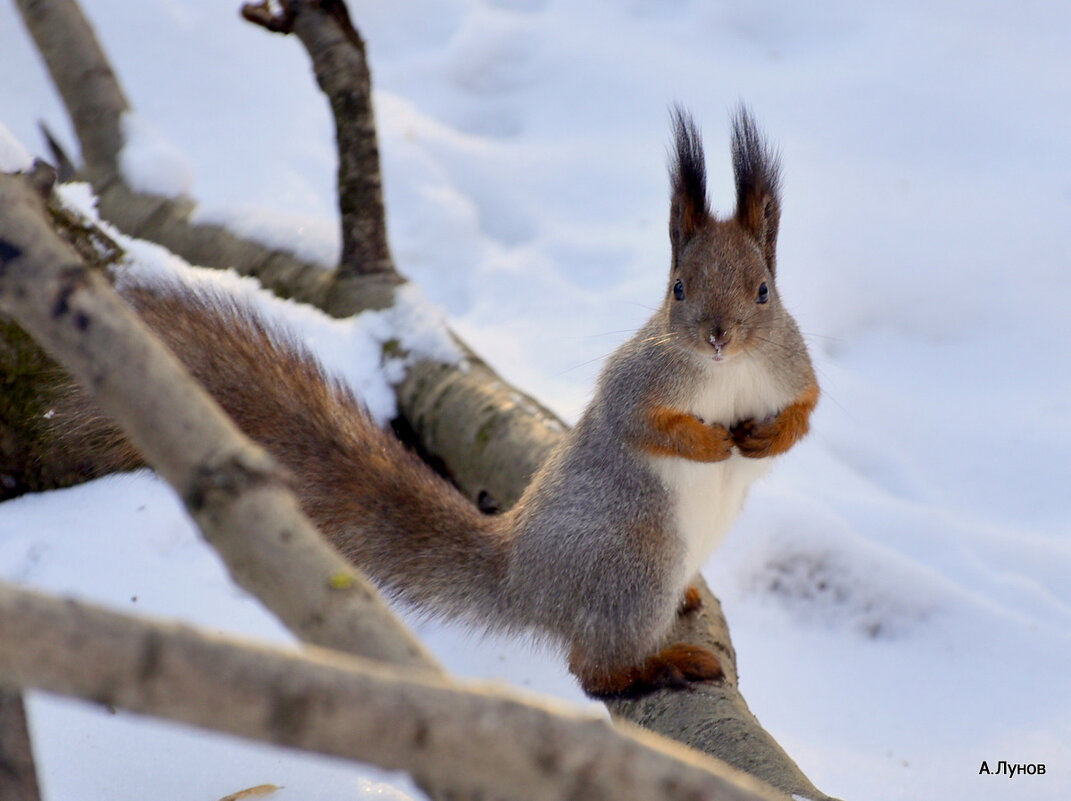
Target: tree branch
[(85, 81), (237, 494), (343, 706), (341, 67)]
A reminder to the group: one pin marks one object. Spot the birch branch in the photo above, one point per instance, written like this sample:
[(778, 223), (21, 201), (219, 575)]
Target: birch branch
[(84, 79), (239, 497), (343, 706)]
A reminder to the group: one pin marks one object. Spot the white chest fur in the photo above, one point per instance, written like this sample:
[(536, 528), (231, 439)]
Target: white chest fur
[(709, 496)]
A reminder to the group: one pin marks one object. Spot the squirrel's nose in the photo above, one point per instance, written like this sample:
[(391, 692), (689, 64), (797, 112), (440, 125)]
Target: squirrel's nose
[(719, 337)]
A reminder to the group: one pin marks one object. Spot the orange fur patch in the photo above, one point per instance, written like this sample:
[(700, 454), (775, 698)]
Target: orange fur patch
[(675, 433)]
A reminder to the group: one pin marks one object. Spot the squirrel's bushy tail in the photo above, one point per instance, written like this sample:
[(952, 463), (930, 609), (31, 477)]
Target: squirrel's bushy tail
[(379, 504)]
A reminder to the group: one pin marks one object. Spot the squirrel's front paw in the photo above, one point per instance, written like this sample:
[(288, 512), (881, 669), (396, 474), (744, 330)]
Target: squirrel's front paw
[(754, 439), (721, 442)]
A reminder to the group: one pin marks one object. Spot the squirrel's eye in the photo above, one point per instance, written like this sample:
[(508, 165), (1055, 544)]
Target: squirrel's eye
[(764, 293), (678, 290)]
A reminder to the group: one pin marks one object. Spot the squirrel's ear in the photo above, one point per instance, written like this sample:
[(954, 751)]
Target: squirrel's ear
[(758, 184), (688, 177)]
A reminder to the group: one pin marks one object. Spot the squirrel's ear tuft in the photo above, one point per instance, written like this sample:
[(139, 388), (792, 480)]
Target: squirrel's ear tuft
[(757, 168), (688, 178)]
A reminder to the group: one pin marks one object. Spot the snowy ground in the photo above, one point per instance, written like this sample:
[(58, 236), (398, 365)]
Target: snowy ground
[(899, 588)]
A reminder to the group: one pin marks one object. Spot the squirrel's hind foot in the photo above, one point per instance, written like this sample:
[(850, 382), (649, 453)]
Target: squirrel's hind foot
[(676, 666), (691, 601)]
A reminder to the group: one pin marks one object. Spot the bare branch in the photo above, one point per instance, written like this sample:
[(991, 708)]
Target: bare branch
[(237, 494), (341, 67), (84, 78), (262, 14), (18, 776), (344, 706)]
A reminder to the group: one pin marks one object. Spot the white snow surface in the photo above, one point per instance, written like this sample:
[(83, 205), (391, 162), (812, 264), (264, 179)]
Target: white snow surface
[(899, 586)]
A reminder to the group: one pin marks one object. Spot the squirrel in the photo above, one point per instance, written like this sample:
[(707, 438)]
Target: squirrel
[(600, 551)]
